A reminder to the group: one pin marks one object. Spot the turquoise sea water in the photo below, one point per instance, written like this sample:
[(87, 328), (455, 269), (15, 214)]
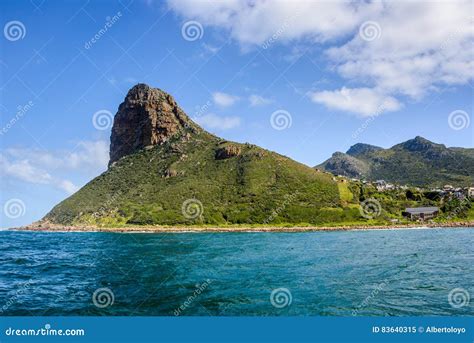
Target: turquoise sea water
[(377, 273)]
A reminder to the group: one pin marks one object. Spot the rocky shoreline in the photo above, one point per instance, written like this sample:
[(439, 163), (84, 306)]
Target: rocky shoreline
[(48, 227)]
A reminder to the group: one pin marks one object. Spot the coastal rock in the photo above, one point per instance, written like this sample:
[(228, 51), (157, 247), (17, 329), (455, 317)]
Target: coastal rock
[(147, 117)]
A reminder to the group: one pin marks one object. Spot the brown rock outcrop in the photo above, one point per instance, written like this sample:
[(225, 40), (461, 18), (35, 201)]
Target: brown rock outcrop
[(170, 173), (227, 151), (147, 117)]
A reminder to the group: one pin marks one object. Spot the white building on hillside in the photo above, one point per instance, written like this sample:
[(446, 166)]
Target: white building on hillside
[(470, 192)]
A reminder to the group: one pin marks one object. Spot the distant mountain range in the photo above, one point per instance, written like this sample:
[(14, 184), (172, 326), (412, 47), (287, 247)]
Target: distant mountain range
[(416, 162)]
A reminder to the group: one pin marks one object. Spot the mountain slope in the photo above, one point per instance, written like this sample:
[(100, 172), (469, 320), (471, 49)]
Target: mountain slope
[(165, 169), (346, 165), (417, 162), (362, 149)]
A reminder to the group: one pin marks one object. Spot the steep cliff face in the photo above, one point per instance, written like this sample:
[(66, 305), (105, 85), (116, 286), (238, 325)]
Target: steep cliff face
[(147, 117)]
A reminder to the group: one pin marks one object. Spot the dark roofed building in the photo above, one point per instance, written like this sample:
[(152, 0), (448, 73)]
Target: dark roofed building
[(423, 213)]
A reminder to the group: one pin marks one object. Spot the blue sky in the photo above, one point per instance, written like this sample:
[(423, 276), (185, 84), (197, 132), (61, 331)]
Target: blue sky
[(304, 79)]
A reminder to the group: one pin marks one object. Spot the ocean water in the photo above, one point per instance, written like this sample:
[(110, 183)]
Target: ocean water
[(344, 273)]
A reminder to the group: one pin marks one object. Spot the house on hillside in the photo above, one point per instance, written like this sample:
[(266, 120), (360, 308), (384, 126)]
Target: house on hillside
[(459, 193), (470, 192), (385, 186), (423, 213)]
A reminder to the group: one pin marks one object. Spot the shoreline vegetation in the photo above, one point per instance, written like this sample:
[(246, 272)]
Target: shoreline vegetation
[(47, 227)]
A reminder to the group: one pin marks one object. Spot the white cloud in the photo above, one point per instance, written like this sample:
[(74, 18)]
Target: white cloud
[(258, 100), (39, 166), (213, 121), (363, 101), (254, 22), (67, 186), (90, 155), (422, 46), (24, 171), (210, 48), (224, 99)]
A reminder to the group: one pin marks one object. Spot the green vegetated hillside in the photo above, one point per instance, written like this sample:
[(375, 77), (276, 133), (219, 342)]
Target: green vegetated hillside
[(417, 162), (166, 170), (151, 186)]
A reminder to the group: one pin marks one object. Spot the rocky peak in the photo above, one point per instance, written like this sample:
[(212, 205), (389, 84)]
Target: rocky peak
[(147, 117), (419, 144), (361, 149), (347, 165), (338, 154)]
